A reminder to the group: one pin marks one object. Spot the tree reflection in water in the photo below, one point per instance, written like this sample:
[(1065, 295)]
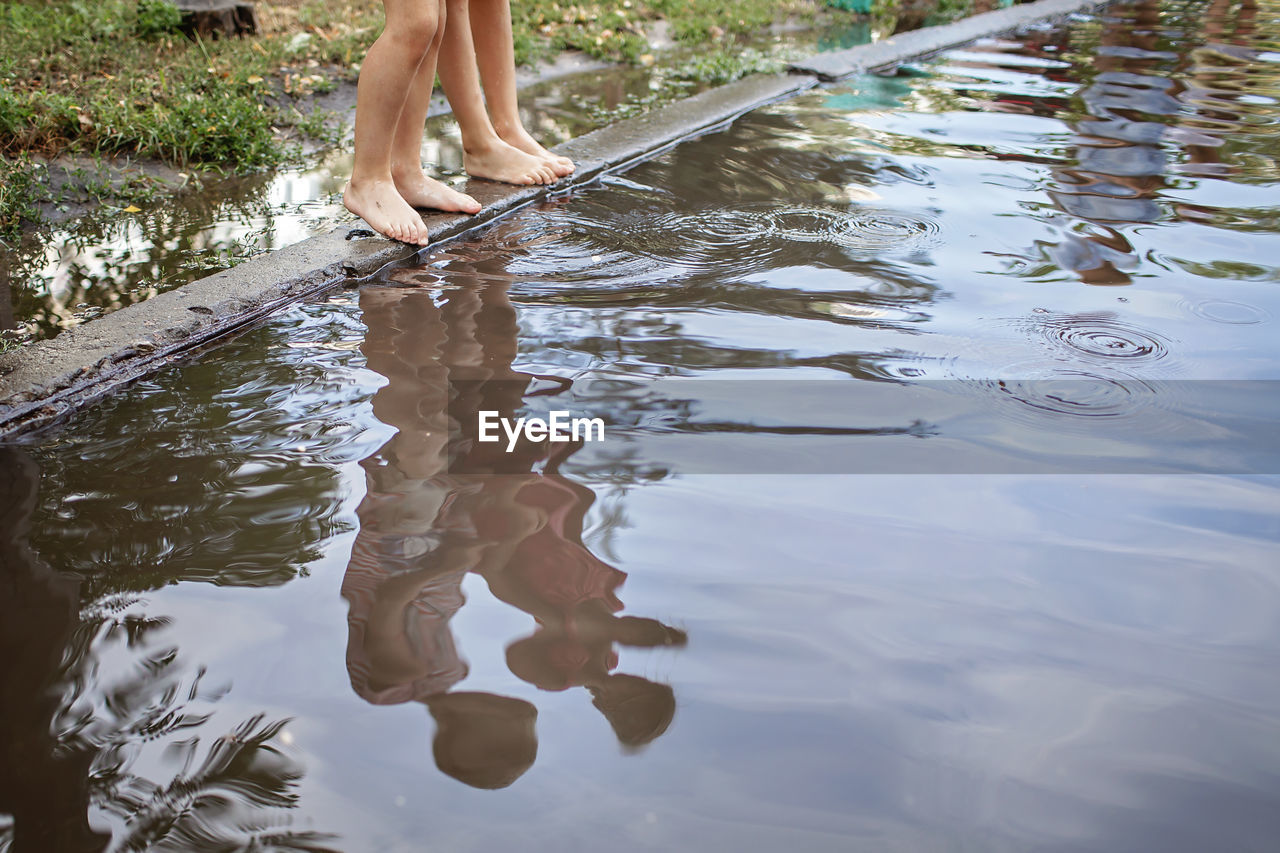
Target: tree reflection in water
[(85, 687)]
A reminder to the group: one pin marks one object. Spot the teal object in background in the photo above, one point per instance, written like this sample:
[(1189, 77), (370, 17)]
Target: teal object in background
[(863, 6), (868, 92)]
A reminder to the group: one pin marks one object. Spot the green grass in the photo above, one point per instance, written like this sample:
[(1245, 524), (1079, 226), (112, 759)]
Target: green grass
[(114, 77)]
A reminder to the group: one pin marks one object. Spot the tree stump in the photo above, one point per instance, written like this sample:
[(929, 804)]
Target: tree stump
[(911, 14), (217, 18)]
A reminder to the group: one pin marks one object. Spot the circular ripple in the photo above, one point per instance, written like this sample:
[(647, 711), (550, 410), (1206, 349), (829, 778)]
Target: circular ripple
[(884, 229), (751, 235), (1224, 311), (1077, 394), (879, 230), (801, 224), (1052, 399), (703, 240), (1100, 339), (711, 229), (707, 239)]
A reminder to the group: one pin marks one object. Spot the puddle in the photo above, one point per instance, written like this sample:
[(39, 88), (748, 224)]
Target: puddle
[(964, 541)]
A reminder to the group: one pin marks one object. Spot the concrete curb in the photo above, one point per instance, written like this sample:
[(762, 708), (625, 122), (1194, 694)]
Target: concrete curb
[(41, 384)]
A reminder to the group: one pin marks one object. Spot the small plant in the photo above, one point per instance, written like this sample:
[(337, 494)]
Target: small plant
[(208, 122), (157, 18), (323, 126), (953, 10), (23, 186)]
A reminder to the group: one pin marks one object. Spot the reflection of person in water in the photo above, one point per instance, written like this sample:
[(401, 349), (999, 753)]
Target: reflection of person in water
[(440, 504)]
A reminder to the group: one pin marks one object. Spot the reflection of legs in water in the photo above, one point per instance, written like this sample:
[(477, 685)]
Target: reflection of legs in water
[(415, 544), (400, 648), (439, 504), (399, 643), (495, 146)]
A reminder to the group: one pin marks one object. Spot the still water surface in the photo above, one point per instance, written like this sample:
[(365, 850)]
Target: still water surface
[(282, 596)]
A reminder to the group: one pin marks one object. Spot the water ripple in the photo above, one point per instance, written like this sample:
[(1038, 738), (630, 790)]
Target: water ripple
[(1226, 311), (1079, 395), (1098, 338), (754, 235)]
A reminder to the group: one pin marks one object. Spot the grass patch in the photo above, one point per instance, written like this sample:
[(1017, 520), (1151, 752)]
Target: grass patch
[(114, 77), (157, 18)]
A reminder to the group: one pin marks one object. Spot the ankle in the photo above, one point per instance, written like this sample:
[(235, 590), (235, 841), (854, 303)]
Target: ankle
[(368, 177), (406, 171), (508, 128), (480, 144)]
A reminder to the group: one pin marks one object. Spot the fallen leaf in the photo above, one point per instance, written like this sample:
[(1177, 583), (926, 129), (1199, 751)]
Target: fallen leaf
[(133, 208)]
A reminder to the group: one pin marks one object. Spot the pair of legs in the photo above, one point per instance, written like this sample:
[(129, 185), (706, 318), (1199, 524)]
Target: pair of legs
[(392, 98), (495, 144), (394, 94)]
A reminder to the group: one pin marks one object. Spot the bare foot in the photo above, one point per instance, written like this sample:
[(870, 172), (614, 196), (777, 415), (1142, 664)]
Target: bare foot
[(499, 161), (378, 203), (420, 191), (518, 137)]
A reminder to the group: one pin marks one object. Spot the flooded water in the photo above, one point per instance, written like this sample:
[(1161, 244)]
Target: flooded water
[(938, 509)]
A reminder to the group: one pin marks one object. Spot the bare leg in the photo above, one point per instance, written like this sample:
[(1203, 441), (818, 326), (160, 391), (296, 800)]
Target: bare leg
[(385, 79), (406, 148), (495, 51), (484, 153)]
